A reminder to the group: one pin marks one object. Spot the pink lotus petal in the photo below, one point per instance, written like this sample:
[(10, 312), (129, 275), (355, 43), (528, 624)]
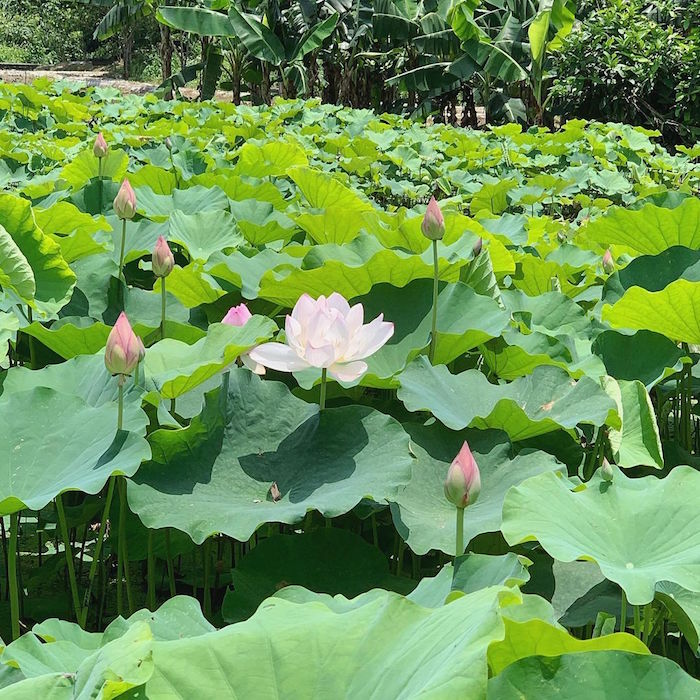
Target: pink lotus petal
[(253, 366), (370, 338), (278, 356), (347, 371), (338, 302), (237, 316)]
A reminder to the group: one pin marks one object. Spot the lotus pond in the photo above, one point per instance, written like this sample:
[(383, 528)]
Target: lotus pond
[(216, 482)]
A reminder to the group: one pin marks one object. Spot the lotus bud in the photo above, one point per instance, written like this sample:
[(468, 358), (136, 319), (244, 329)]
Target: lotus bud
[(237, 316), (433, 225), (142, 349), (477, 247), (162, 259), (123, 349), (100, 148), (608, 263), (606, 471), (168, 143), (463, 482), (125, 201)]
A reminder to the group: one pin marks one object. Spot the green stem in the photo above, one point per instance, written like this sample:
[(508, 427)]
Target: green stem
[(459, 545), (322, 397), (123, 551), (433, 332), (207, 576), (121, 250), (172, 407), (637, 622), (162, 308), (99, 183), (12, 574), (171, 571), (61, 513), (647, 623), (623, 613), (98, 550), (151, 573), (120, 402), (32, 342)]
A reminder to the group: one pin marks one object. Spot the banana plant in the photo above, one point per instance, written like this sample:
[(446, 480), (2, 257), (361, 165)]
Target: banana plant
[(509, 42), (269, 37)]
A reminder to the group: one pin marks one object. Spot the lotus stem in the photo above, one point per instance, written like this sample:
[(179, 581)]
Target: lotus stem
[(206, 556), (61, 513), (121, 250), (459, 545), (12, 574), (100, 167), (322, 397), (98, 551), (648, 610), (623, 612), (151, 573), (637, 622), (123, 550), (433, 332), (162, 308), (171, 572)]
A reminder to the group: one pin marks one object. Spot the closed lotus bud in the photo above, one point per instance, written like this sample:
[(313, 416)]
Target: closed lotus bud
[(477, 247), (162, 259), (168, 143), (123, 349), (237, 316), (608, 263), (606, 471), (433, 225), (100, 148), (125, 201), (463, 482)]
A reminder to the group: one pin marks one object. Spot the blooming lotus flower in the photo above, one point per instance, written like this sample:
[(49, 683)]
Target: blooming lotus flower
[(162, 259), (326, 333), (463, 482), (239, 316), (608, 262), (433, 224), (100, 147), (123, 349), (125, 201)]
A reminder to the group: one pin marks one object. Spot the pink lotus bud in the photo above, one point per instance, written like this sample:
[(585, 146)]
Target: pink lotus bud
[(168, 143), (608, 262), (463, 482), (477, 247), (125, 201), (162, 259), (142, 349), (237, 316), (433, 225), (100, 148), (123, 347)]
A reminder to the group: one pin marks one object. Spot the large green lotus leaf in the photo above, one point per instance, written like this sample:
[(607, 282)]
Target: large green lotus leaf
[(637, 441), (423, 516), (191, 286), (603, 675), (670, 311), (653, 272), (85, 166), (684, 606), (86, 377), (204, 233), (647, 230), (15, 272), (174, 367), (330, 560), (322, 190), (381, 634), (194, 199), (64, 218), (516, 354), (215, 475), (539, 638), (645, 356), (260, 222), (9, 325), (544, 401), (71, 336), (55, 686), (465, 319), (54, 280), (67, 445), (569, 527), (273, 158), (353, 269)]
